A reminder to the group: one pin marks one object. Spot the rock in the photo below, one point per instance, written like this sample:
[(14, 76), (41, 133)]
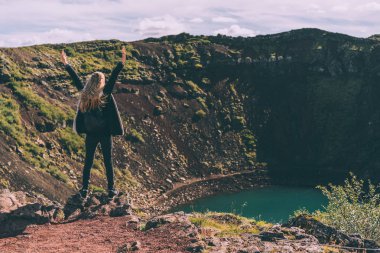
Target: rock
[(169, 218), (132, 221), (97, 204), (157, 110), (196, 247), (272, 235), (20, 209), (128, 247), (326, 234)]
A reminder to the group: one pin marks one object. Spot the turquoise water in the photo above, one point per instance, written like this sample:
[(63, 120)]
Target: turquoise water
[(272, 203)]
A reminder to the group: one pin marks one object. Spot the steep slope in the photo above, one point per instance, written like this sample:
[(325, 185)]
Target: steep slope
[(173, 123), (303, 102)]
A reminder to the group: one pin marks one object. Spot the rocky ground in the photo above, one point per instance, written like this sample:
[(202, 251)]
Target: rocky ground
[(35, 224)]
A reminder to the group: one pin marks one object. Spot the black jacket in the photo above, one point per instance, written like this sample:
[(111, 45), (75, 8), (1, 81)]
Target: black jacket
[(110, 109)]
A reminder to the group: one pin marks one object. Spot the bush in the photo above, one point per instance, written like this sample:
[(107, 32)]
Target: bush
[(353, 207)]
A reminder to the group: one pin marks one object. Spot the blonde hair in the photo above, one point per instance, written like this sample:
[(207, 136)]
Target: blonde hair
[(92, 93)]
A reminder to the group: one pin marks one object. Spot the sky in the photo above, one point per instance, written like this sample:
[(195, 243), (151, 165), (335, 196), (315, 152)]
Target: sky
[(30, 22)]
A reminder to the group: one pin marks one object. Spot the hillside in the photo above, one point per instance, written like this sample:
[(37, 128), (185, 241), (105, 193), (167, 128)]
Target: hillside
[(301, 104)]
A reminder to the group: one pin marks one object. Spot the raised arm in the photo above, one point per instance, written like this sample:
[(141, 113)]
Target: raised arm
[(77, 82), (115, 72)]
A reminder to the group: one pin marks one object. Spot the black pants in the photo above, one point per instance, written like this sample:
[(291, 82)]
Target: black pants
[(92, 142)]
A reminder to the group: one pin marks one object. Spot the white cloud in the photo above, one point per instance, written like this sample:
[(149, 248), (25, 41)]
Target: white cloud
[(55, 35), (159, 26), (196, 20), (236, 30), (222, 19), (25, 22), (371, 6)]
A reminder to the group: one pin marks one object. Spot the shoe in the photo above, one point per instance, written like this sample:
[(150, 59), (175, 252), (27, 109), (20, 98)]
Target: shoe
[(112, 193), (83, 193)]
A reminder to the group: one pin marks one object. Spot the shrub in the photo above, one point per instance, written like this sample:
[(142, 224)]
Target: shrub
[(69, 51), (353, 207)]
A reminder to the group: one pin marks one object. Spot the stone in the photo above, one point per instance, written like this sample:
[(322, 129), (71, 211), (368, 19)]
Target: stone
[(326, 234)]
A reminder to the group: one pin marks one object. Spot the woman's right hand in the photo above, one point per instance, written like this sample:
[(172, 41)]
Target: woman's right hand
[(64, 57)]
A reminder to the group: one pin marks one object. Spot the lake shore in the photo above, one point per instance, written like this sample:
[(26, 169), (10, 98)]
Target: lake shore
[(216, 184)]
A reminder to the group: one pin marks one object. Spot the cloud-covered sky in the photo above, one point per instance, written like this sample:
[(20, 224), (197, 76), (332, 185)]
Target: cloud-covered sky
[(28, 22)]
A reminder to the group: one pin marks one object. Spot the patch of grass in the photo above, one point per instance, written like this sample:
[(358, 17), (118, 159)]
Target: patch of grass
[(30, 98), (134, 136), (58, 174), (71, 141), (10, 119), (125, 179), (200, 114), (95, 189), (195, 88), (227, 224), (11, 125), (4, 183), (202, 101)]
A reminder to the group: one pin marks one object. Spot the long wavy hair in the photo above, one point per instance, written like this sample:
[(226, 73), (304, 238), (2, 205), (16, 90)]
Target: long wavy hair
[(92, 93)]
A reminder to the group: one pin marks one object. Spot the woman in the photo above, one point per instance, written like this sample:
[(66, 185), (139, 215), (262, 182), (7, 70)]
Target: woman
[(98, 117)]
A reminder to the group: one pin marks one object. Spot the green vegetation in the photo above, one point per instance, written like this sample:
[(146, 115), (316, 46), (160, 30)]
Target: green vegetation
[(30, 98), (95, 189), (227, 224), (11, 125), (353, 208), (249, 141), (134, 136), (10, 118), (194, 88), (71, 141), (58, 174), (199, 114), (125, 179)]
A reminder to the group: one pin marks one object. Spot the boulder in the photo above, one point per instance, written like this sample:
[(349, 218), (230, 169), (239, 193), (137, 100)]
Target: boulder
[(20, 209), (97, 204), (326, 234)]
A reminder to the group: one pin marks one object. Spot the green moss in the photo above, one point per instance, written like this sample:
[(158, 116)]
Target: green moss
[(58, 174), (71, 141), (95, 188), (238, 122), (125, 179), (30, 98), (202, 101), (70, 51), (10, 119), (200, 114), (227, 224), (4, 183), (196, 90), (134, 136)]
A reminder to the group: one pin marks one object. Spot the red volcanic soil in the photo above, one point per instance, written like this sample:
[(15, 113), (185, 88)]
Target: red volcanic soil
[(101, 234)]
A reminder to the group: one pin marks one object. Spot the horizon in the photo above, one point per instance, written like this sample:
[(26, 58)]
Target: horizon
[(84, 41), (25, 23)]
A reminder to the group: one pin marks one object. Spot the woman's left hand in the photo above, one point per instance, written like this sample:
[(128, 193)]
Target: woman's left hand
[(123, 55)]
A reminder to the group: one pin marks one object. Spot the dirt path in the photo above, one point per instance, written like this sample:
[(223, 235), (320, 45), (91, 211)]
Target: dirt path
[(102, 234), (189, 182)]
